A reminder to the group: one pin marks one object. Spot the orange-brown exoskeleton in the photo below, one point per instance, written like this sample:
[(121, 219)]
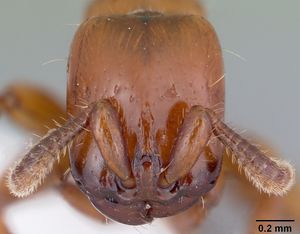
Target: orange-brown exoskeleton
[(144, 133)]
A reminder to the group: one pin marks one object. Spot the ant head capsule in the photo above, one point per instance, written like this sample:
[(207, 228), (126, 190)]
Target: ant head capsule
[(149, 152)]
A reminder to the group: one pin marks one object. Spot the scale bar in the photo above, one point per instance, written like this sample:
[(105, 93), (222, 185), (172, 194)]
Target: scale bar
[(275, 220)]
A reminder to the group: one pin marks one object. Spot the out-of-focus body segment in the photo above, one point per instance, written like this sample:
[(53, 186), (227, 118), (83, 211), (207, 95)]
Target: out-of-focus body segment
[(121, 7)]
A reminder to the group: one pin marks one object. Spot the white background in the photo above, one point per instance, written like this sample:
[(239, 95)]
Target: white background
[(262, 94)]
